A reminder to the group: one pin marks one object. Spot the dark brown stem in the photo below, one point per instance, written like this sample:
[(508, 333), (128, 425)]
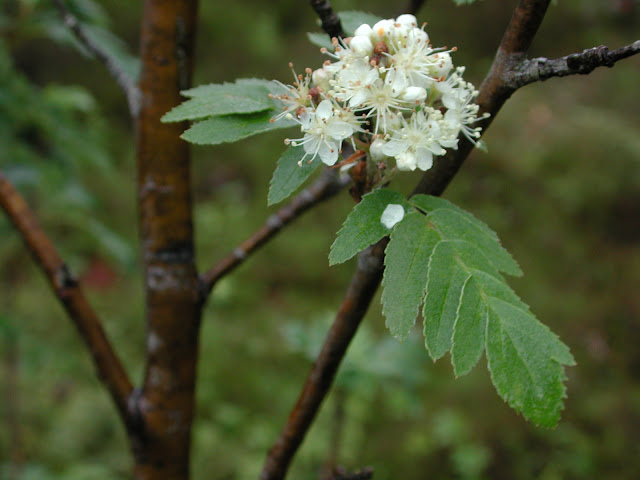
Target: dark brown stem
[(325, 187), (122, 78), (161, 442), (493, 93), (66, 288), (355, 304), (540, 69), (413, 6), (330, 21)]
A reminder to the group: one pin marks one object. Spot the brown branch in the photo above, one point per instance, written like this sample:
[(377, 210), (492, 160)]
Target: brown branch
[(330, 20), (122, 78), (355, 304), (66, 288), (493, 93), (540, 69), (322, 189), (162, 440)]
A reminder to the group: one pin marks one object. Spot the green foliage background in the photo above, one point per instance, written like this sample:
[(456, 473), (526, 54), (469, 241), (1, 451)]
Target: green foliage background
[(560, 184)]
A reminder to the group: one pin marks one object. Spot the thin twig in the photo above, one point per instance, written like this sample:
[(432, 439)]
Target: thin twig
[(493, 93), (540, 69), (325, 187), (330, 21), (355, 304), (122, 78), (66, 288)]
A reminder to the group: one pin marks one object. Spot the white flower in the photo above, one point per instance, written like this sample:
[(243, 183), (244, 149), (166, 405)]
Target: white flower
[(414, 145), (461, 111), (324, 130), (393, 214), (350, 85), (382, 102), (294, 96), (390, 77)]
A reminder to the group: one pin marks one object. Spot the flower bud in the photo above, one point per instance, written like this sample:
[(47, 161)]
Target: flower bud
[(363, 30), (375, 150), (361, 45), (407, 20), (320, 78), (381, 29), (414, 94)]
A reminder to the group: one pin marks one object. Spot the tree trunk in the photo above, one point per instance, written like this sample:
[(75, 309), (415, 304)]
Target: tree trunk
[(160, 434)]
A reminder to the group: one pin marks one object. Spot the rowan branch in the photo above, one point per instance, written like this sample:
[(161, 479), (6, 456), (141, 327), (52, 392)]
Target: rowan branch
[(355, 304), (540, 69), (493, 93), (66, 288), (325, 187), (122, 78), (330, 20)]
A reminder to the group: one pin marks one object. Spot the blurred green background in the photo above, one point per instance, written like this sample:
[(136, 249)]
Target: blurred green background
[(560, 184)]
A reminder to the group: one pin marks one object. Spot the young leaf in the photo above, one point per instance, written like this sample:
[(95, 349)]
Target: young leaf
[(288, 175), (363, 226), (231, 128), (222, 99), (405, 275)]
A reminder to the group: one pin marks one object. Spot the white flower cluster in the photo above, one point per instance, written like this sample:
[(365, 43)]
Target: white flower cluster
[(386, 89)]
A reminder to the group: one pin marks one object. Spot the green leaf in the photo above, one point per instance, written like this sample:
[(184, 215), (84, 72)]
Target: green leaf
[(453, 225), (221, 99), (470, 328), (467, 305), (351, 20), (321, 40), (231, 128), (363, 226), (250, 84), (405, 276), (526, 362), (445, 283), (288, 175), (429, 203)]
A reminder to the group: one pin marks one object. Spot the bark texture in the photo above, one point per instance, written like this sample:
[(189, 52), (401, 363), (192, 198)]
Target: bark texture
[(164, 405)]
